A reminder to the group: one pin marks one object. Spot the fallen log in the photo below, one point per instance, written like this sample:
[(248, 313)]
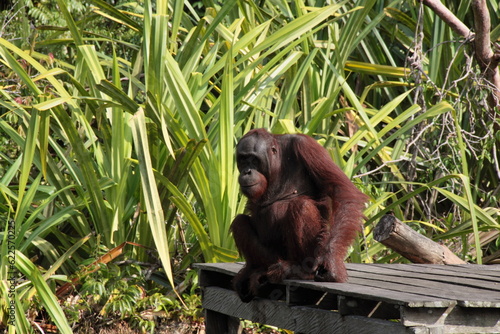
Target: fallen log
[(401, 238)]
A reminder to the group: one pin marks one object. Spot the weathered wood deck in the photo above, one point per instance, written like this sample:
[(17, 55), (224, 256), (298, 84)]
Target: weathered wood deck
[(395, 298)]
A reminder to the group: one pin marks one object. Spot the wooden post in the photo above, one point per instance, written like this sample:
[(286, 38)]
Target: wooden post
[(417, 248), (219, 323)]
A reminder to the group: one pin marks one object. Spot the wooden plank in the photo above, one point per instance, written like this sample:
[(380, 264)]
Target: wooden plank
[(436, 274), (470, 270), (264, 311), (298, 319), (374, 292), (473, 285), (430, 293), (472, 297), (481, 272), (229, 268), (404, 290), (485, 269)]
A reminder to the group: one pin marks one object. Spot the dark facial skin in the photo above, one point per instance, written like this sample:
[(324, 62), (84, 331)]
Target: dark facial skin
[(253, 163), (303, 212)]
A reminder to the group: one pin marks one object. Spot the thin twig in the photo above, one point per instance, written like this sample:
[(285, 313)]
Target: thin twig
[(380, 167)]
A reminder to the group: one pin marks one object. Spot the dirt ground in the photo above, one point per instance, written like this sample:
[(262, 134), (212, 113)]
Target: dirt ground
[(124, 328), (167, 327)]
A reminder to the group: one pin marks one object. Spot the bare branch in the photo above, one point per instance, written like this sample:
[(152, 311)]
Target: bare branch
[(482, 26), (482, 45), (486, 58), (447, 16), (384, 164)]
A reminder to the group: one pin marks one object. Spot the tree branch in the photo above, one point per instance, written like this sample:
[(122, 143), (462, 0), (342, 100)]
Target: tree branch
[(482, 45), (447, 16), (482, 26), (486, 58)]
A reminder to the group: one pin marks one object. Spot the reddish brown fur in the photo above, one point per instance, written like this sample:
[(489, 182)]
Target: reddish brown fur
[(304, 212)]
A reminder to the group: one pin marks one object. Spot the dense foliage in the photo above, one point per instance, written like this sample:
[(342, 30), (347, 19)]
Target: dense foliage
[(119, 120)]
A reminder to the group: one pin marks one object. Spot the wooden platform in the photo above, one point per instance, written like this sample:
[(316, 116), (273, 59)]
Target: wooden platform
[(386, 299)]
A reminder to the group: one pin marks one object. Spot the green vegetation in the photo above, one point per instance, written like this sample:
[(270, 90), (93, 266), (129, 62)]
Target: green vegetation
[(118, 126)]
